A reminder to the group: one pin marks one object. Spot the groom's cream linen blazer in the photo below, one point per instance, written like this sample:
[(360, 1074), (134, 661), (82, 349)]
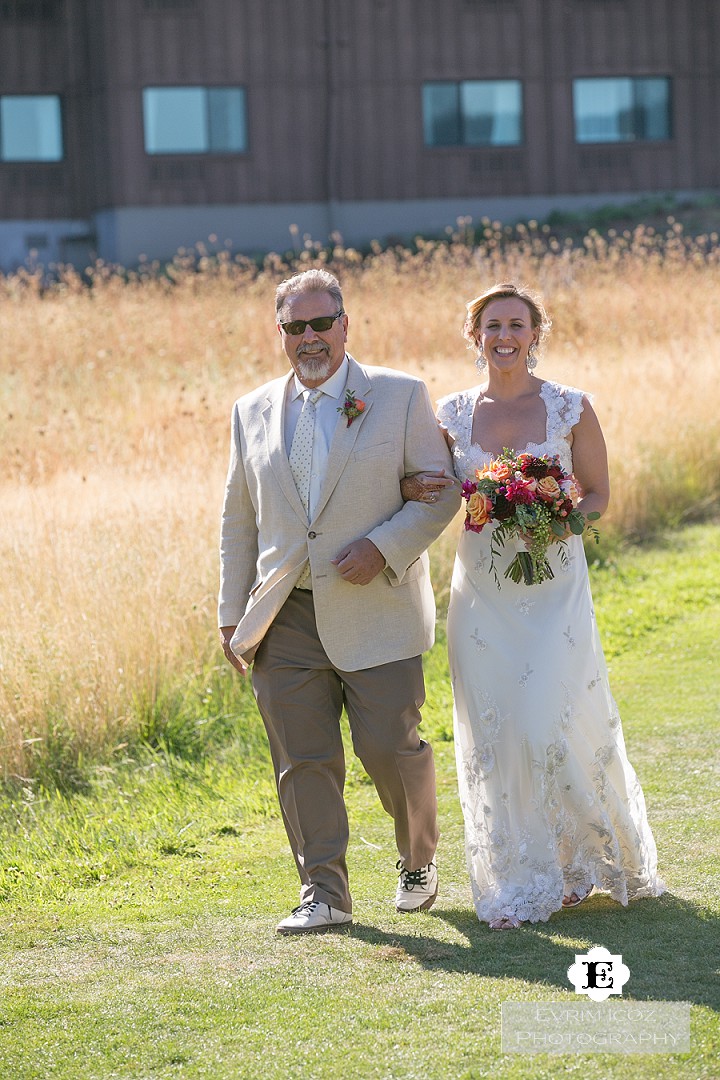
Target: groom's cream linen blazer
[(266, 537)]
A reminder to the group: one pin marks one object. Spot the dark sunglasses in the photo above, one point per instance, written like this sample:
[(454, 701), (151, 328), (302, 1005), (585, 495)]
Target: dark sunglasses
[(297, 326)]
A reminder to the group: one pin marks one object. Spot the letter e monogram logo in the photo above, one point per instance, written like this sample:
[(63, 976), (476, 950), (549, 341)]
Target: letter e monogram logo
[(598, 973)]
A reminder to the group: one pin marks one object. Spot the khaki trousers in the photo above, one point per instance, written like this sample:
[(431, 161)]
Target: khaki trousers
[(300, 695)]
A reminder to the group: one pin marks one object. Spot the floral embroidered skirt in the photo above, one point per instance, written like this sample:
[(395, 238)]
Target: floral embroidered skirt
[(550, 801)]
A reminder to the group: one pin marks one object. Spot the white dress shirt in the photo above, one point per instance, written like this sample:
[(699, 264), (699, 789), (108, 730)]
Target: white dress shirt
[(326, 417)]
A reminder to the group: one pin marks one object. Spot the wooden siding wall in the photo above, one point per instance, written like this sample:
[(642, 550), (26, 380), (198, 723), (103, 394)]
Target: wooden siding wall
[(43, 51), (334, 96)]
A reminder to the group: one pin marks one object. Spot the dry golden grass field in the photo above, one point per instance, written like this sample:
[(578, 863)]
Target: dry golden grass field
[(114, 410)]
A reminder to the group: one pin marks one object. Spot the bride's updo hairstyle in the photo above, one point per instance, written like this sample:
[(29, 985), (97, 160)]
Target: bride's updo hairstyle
[(508, 291)]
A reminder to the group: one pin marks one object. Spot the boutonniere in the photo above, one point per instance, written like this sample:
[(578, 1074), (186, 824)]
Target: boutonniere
[(351, 407)]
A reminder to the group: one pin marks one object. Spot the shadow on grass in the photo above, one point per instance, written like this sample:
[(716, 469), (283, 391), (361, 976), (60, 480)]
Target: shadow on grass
[(669, 945)]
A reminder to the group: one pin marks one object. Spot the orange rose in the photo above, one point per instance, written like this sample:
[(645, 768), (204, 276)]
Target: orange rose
[(501, 471), (479, 508), (548, 488)]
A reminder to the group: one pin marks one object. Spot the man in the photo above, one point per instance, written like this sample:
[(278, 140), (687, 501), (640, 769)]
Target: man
[(325, 586)]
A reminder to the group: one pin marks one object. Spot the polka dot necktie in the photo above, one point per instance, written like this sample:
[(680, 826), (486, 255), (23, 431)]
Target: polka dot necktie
[(301, 459)]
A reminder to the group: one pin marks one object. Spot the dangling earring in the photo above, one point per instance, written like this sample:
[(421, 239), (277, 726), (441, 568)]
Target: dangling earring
[(532, 358), (481, 361)]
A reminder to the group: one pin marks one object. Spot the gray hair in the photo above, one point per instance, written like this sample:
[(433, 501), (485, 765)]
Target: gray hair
[(305, 282)]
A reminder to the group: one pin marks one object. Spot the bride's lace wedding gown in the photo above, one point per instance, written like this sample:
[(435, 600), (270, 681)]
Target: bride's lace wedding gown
[(551, 803)]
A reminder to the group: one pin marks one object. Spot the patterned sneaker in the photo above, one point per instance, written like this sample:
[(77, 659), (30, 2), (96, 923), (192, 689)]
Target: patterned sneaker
[(312, 917), (417, 889)]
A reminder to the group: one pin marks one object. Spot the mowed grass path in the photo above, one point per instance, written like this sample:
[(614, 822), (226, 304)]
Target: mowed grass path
[(137, 928)]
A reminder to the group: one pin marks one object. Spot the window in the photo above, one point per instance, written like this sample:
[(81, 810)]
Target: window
[(473, 113), (194, 120), (30, 128), (621, 110)]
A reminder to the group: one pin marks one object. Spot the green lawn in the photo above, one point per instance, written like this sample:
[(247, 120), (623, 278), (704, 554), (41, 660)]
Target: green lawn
[(137, 920)]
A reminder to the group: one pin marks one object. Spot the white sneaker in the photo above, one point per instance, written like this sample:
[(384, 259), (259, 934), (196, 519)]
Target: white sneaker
[(312, 917), (417, 889)]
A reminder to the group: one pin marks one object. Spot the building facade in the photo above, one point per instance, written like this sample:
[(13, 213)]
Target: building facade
[(132, 127)]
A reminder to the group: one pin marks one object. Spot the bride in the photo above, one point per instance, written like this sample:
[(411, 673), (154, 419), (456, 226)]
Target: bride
[(552, 806)]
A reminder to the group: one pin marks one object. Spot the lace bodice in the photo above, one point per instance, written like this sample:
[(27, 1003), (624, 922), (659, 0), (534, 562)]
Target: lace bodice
[(563, 404)]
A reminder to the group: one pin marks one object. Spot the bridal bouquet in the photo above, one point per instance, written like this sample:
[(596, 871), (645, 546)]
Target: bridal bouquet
[(531, 499)]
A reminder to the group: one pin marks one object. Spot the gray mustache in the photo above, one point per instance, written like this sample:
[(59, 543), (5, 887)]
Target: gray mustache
[(306, 348)]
